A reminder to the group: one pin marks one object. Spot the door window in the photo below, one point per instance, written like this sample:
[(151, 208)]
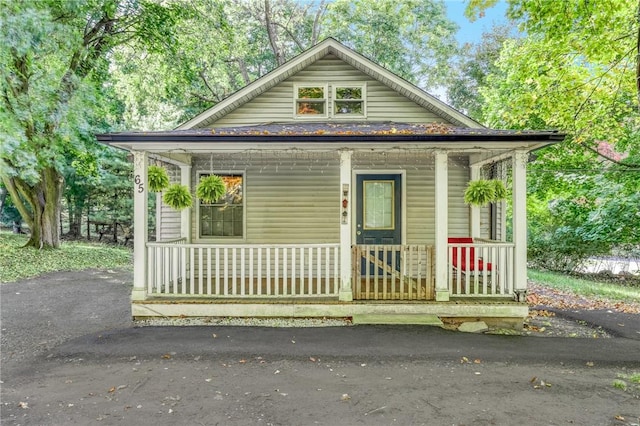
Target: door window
[(379, 204)]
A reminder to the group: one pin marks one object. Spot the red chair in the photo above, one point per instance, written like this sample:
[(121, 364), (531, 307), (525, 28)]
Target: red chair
[(467, 263)]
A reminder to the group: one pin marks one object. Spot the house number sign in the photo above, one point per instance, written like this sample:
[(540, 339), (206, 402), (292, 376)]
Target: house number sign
[(138, 181)]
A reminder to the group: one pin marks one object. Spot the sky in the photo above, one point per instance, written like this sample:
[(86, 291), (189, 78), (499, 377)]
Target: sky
[(470, 32)]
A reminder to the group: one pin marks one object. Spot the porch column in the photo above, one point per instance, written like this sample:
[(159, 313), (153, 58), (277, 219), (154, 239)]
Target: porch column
[(520, 223), (346, 290), (140, 236), (442, 225), (185, 214), (475, 210)]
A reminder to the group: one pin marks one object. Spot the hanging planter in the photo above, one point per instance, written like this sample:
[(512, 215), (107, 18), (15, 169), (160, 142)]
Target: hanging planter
[(177, 197), (158, 178), (499, 189), (211, 188), (479, 192)]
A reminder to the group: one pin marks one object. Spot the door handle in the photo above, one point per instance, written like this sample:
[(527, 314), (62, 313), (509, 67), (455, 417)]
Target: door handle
[(358, 232)]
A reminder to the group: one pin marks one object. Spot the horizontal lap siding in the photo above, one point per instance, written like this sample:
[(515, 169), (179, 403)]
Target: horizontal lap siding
[(168, 219), (276, 105), (287, 200), (420, 197)]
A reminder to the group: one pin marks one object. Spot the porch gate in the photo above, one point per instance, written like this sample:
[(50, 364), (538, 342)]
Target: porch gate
[(393, 272)]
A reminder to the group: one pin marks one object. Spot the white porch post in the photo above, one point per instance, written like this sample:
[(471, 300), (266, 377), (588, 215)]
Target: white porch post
[(140, 225), (346, 290), (475, 210), (185, 215), (520, 223), (442, 225)]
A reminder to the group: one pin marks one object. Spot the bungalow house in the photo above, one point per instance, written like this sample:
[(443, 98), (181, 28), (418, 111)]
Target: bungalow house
[(344, 198)]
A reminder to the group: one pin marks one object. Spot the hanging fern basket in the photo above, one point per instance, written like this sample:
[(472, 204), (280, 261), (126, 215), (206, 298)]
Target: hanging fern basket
[(177, 197), (479, 192), (158, 178), (499, 189), (211, 188)]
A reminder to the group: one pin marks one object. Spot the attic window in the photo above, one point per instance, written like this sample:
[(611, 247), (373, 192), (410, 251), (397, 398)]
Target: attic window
[(349, 100), (311, 101)]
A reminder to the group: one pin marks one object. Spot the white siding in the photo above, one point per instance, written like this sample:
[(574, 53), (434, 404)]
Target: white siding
[(277, 105), (295, 198), (168, 219), (420, 197), (288, 198)]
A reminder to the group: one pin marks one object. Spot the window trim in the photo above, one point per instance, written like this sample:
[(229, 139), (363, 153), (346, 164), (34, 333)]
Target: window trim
[(198, 237), (325, 87), (334, 99)]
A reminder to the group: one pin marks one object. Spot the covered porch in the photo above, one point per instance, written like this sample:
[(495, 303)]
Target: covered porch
[(186, 276)]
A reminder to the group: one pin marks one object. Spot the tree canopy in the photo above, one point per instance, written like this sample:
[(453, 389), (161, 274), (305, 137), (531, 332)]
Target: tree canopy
[(574, 69), (54, 63)]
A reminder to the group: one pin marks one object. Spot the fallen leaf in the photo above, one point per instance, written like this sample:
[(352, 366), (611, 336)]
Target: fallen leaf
[(345, 397), (23, 404), (533, 379), (166, 356), (464, 359), (112, 390), (312, 359), (477, 361), (243, 361), (589, 364), (619, 418)]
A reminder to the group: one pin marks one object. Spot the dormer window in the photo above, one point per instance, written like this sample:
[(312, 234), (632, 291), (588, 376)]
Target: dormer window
[(311, 101), (331, 100), (349, 101)]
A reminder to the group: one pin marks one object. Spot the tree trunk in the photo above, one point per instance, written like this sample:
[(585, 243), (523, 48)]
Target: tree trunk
[(47, 195), (3, 198), (272, 32), (39, 206)]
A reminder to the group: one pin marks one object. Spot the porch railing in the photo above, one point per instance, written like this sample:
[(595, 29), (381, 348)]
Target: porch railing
[(482, 269), (286, 270), (396, 272)]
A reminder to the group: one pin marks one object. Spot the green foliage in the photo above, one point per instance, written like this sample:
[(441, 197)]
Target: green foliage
[(178, 197), (499, 190), (54, 63), (211, 188), (480, 192), (476, 63), (582, 287), (18, 262), (574, 70), (412, 38), (157, 178)]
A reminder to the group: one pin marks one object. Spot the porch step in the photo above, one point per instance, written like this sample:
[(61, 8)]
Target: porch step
[(413, 319)]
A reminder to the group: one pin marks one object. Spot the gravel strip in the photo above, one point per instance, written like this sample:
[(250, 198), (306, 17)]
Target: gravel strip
[(249, 322)]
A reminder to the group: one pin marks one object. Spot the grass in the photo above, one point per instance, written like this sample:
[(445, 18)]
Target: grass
[(18, 262), (585, 287), (629, 383)]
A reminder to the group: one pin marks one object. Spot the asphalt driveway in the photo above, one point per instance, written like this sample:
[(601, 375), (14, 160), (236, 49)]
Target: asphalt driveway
[(70, 355)]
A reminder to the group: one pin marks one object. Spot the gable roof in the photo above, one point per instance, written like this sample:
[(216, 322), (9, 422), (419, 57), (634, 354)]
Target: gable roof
[(315, 53)]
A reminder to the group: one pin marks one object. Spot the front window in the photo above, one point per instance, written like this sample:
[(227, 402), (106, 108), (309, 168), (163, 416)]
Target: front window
[(225, 216), (311, 101)]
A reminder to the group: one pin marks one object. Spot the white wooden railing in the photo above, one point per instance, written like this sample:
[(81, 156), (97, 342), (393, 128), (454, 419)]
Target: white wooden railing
[(482, 269), (257, 270)]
